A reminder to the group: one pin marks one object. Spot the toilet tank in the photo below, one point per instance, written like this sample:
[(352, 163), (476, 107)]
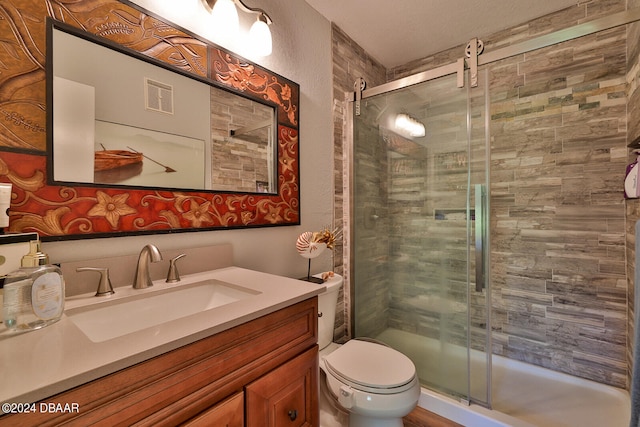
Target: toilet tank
[(327, 302)]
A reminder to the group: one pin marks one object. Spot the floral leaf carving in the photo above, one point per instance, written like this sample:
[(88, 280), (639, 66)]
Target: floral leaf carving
[(50, 223), (111, 207)]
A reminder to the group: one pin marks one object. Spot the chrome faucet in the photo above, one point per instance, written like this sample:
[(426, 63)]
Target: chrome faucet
[(148, 253)]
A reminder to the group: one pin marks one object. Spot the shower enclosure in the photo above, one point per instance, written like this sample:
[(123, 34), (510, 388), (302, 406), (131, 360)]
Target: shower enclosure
[(550, 112), (420, 224)]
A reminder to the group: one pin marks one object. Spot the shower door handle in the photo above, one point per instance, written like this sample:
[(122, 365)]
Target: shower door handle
[(480, 234)]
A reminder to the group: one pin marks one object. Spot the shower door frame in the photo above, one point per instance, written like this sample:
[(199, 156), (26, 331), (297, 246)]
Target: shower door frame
[(360, 93)]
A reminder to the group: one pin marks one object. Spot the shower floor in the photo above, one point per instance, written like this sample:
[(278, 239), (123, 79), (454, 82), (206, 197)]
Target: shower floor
[(531, 394)]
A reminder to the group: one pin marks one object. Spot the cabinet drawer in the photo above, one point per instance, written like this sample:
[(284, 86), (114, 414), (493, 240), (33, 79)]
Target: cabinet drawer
[(287, 396), (229, 413)]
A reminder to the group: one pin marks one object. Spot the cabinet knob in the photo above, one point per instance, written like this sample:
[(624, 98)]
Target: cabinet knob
[(293, 414)]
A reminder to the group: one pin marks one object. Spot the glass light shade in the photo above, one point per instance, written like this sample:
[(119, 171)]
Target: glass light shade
[(225, 18), (260, 38), (410, 126)]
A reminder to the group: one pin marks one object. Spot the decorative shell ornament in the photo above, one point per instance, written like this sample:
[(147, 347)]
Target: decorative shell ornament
[(311, 244), (307, 247)]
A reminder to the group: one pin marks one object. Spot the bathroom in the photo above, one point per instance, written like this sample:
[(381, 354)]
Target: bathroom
[(308, 61)]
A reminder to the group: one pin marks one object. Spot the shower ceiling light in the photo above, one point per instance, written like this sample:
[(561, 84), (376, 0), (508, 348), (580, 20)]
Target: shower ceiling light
[(225, 18), (409, 126)]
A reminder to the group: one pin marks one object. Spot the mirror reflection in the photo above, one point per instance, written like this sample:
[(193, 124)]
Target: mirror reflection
[(119, 119)]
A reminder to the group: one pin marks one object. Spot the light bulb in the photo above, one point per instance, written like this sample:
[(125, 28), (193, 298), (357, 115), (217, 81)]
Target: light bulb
[(225, 19), (260, 37), (401, 121)]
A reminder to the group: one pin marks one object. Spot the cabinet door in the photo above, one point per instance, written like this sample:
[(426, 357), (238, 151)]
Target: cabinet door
[(228, 413), (287, 396)]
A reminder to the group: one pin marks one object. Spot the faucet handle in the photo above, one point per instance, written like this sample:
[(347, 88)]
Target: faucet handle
[(104, 286), (172, 274)]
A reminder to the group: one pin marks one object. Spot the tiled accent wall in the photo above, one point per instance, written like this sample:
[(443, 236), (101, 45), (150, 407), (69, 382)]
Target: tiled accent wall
[(559, 134), (633, 205), (240, 163)]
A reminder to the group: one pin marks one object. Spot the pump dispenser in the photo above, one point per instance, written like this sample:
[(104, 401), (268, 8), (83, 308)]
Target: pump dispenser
[(35, 257), (33, 294)]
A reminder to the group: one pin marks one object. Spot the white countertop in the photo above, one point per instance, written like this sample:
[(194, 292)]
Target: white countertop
[(38, 364)]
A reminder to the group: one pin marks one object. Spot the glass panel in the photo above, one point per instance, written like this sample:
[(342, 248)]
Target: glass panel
[(413, 235)]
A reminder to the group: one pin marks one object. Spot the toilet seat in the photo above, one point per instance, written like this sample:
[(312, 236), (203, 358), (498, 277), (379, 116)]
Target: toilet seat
[(371, 367)]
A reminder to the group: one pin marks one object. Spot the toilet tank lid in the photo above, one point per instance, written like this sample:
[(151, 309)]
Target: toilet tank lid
[(332, 284), (371, 365)]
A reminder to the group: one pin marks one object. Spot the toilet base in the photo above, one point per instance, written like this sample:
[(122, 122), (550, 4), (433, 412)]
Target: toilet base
[(356, 420), (330, 413)]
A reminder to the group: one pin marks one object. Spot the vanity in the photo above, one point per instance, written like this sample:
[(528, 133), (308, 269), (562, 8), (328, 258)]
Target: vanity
[(241, 363)]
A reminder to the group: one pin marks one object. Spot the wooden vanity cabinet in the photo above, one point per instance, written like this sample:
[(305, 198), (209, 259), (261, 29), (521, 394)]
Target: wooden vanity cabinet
[(229, 413), (285, 396), (254, 374)]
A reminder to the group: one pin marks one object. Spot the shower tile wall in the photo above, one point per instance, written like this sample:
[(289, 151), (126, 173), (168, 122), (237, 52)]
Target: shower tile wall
[(558, 136), (372, 222), (242, 164), (427, 214), (558, 158), (633, 205), (558, 131)]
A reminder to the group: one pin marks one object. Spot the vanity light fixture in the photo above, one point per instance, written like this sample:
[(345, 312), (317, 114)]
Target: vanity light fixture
[(225, 16), (410, 126)]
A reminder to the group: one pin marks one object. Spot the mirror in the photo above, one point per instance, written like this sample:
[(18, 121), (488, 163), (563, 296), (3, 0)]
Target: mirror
[(68, 205), (121, 119)]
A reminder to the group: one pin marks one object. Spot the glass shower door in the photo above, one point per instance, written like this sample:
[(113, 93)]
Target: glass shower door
[(419, 232)]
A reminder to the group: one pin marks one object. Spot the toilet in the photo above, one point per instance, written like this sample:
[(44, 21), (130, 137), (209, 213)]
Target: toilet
[(372, 383)]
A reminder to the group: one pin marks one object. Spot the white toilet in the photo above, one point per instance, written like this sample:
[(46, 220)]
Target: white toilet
[(375, 384)]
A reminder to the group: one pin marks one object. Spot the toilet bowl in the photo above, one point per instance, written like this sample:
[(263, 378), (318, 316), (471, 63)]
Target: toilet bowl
[(375, 384)]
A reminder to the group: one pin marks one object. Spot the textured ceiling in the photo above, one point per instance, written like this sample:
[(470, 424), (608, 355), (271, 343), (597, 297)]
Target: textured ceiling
[(398, 31)]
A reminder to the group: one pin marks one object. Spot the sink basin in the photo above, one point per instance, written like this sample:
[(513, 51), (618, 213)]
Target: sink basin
[(112, 319)]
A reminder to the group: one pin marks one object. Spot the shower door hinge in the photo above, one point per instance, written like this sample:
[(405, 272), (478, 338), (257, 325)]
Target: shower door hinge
[(358, 87)]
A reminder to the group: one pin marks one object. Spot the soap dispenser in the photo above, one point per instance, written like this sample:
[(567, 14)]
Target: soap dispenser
[(33, 294)]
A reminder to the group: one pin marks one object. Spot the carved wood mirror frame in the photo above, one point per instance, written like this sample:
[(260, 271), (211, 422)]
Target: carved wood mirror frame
[(74, 212)]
